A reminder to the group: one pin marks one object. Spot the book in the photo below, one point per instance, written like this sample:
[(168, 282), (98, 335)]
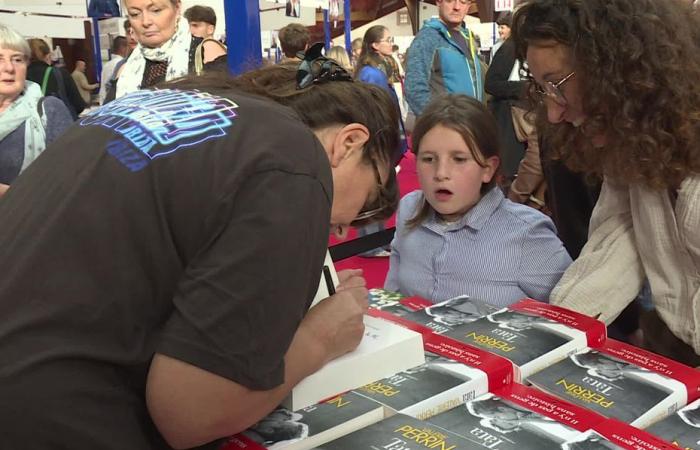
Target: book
[(446, 316), (313, 425), (499, 371), (431, 388), (531, 334), (630, 438), (682, 429), (399, 432), (621, 381), (522, 418), (386, 348)]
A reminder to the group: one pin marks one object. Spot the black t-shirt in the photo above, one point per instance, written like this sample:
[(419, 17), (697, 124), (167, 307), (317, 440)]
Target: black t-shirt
[(174, 222)]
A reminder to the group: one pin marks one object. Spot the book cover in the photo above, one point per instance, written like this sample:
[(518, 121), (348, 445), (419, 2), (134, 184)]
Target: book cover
[(314, 425), (399, 432), (682, 429), (519, 418), (530, 341), (451, 314), (386, 348), (499, 371), (431, 388), (631, 438), (612, 381)]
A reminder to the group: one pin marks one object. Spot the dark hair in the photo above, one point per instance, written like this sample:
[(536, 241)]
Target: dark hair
[(118, 44), (642, 93), (468, 117), (369, 56), (294, 38), (321, 105), (505, 18), (39, 49), (199, 13)]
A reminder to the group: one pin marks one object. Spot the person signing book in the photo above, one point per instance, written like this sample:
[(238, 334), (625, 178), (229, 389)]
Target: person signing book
[(159, 259)]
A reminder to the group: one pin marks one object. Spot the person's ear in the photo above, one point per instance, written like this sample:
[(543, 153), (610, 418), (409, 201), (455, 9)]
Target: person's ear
[(492, 164), (349, 139), (375, 46)]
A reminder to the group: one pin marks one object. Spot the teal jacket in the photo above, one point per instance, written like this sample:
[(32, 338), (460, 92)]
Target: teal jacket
[(436, 65)]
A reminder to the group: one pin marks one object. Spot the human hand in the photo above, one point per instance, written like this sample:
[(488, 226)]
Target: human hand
[(350, 278), (336, 323), (3, 188)]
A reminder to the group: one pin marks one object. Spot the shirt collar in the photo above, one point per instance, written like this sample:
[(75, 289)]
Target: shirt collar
[(476, 217)]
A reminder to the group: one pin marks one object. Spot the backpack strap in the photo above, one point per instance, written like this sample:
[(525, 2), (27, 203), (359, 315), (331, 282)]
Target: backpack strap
[(45, 81), (199, 55), (42, 112)]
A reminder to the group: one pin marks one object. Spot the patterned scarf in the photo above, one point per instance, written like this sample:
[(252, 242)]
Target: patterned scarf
[(24, 110), (176, 52)]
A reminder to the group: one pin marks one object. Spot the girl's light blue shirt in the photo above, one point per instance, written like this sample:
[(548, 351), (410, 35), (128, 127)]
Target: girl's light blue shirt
[(499, 252)]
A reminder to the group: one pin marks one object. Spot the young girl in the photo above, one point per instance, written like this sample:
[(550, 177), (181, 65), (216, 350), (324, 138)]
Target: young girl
[(458, 234)]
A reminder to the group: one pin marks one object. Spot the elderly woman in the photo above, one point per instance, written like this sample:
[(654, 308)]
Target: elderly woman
[(166, 50), (27, 121)]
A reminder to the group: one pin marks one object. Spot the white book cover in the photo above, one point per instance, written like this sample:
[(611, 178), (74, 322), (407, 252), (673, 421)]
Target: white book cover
[(429, 389), (386, 349)]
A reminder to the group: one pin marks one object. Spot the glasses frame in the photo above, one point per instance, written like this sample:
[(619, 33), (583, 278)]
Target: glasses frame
[(553, 91), (381, 193)]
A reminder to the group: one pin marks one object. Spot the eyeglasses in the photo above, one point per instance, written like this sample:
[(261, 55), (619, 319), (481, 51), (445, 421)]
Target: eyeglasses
[(384, 199), (390, 40), (552, 90), (316, 68)]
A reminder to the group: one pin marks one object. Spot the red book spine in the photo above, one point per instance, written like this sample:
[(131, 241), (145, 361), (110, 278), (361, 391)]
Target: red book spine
[(240, 441)]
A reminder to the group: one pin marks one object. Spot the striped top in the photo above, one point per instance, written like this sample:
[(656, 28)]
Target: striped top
[(637, 233), (498, 252)]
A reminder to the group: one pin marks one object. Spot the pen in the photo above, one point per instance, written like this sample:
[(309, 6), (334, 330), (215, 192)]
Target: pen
[(329, 280)]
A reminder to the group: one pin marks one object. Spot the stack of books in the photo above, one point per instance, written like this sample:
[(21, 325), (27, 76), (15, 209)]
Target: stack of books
[(682, 429), (621, 381), (463, 390)]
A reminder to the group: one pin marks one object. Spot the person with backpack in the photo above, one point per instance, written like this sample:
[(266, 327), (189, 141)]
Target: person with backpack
[(28, 121), (54, 81)]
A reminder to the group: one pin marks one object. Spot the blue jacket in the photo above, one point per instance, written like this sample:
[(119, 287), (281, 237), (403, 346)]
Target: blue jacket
[(374, 75), (436, 64), (103, 8)]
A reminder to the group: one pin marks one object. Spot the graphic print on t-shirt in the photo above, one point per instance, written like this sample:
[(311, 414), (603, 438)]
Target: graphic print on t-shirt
[(161, 122)]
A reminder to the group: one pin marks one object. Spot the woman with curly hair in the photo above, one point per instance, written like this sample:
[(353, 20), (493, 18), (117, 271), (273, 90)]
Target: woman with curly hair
[(617, 80)]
